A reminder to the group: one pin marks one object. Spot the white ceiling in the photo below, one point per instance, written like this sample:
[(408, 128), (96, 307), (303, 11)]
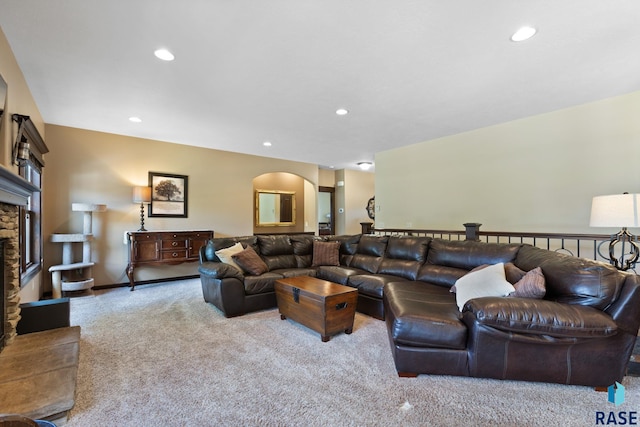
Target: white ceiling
[(249, 71)]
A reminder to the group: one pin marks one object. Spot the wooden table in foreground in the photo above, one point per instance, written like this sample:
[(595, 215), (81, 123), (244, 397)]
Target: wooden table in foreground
[(325, 307)]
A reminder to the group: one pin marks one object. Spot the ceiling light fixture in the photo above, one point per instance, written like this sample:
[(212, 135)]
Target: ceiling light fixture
[(164, 54), (523, 34), (342, 112), (266, 144), (135, 119), (365, 166)]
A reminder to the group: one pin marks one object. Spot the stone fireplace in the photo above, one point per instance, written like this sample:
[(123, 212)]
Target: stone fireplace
[(14, 192)]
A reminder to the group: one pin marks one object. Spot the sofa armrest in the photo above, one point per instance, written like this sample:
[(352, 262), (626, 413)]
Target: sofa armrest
[(626, 309), (223, 286), (539, 317), (220, 270)]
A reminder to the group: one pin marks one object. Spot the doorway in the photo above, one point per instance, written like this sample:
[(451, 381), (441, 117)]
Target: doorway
[(326, 211)]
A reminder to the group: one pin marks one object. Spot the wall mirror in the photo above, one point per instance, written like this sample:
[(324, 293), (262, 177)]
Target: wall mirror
[(275, 208)]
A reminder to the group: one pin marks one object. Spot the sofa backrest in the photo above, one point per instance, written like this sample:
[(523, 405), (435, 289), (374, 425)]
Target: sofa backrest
[(303, 249), (404, 256), (573, 280), (449, 260), (348, 246), (468, 254), (277, 251), (369, 254), (208, 252)]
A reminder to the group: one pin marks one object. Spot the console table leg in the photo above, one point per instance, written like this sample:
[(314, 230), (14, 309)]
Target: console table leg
[(132, 283)]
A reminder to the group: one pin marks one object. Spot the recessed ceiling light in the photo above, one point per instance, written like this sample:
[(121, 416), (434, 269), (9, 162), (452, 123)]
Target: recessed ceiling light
[(164, 54), (135, 119), (266, 144), (523, 34), (342, 112), (365, 166)]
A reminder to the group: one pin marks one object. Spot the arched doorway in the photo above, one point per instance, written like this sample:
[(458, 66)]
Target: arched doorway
[(288, 204)]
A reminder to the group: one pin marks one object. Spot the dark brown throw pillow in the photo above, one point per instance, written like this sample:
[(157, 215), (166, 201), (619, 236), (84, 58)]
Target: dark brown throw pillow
[(531, 285), (326, 253), (513, 273), (250, 262)]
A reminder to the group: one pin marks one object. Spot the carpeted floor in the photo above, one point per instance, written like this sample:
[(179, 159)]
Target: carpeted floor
[(161, 356)]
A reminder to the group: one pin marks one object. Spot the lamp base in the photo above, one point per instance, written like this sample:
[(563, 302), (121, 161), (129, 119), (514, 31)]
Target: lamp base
[(624, 237), (142, 218)]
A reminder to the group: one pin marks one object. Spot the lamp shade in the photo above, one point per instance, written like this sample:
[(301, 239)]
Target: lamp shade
[(617, 210), (141, 194)]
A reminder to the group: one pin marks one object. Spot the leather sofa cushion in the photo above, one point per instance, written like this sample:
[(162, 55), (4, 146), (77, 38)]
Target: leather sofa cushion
[(371, 284), (367, 263), (540, 317), (294, 272), (403, 268), (348, 247), (337, 274), (277, 251), (440, 275), (404, 256), (573, 280), (220, 270), (467, 254), (303, 249), (260, 284), (408, 248), (275, 245), (370, 251), (374, 246), (348, 244), (277, 262), (423, 315)]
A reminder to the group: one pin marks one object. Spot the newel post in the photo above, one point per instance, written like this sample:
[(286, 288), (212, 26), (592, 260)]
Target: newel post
[(472, 231)]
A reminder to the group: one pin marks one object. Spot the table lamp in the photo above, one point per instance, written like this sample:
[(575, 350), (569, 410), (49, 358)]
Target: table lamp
[(618, 210), (141, 195)]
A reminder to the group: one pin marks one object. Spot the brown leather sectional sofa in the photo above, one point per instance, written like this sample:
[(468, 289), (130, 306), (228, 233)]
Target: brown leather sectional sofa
[(582, 331)]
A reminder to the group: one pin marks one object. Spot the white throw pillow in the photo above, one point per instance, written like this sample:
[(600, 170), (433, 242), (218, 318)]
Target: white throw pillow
[(226, 253), (488, 282)]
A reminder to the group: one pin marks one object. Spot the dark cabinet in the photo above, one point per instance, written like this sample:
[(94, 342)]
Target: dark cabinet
[(163, 247)]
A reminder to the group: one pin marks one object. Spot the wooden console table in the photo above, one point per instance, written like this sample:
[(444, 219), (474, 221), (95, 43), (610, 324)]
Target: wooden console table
[(163, 247)]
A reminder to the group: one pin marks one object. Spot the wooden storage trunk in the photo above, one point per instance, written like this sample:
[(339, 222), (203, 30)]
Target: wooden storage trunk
[(326, 307)]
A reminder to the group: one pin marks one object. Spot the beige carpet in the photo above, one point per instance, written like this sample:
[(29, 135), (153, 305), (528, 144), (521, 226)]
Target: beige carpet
[(161, 356)]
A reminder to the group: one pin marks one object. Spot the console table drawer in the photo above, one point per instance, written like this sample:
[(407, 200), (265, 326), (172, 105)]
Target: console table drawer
[(139, 237), (176, 255), (167, 245)]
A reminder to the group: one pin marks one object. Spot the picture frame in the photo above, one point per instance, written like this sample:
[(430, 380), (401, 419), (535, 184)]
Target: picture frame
[(169, 195)]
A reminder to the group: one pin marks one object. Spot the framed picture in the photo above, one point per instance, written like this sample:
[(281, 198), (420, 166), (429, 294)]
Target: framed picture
[(168, 195)]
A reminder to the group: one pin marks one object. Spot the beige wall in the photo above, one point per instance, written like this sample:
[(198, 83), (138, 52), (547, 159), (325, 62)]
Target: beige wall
[(326, 177), (93, 167), (359, 187), (534, 174), (19, 101), (352, 196)]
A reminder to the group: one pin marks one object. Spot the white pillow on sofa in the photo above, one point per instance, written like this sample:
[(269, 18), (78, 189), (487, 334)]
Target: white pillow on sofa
[(226, 253), (487, 282)]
